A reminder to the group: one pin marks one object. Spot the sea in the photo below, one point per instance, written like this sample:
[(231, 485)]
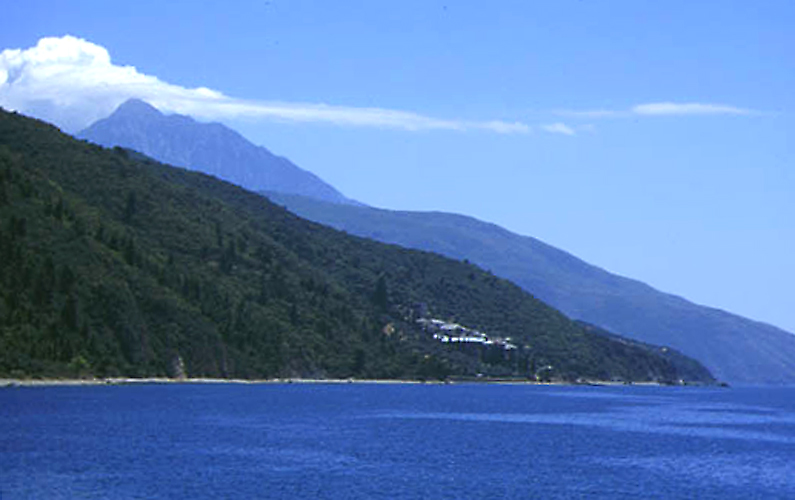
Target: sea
[(396, 441)]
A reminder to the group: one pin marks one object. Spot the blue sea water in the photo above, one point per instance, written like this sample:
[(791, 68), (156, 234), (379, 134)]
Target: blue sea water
[(370, 441)]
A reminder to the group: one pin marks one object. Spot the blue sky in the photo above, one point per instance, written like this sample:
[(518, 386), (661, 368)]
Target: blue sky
[(653, 139)]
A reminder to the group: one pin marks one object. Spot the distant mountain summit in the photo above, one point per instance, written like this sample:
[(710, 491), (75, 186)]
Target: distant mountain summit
[(207, 147)]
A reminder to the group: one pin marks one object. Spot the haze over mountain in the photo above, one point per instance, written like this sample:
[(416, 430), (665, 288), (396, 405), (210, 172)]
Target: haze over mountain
[(734, 348), (114, 264), (208, 147)]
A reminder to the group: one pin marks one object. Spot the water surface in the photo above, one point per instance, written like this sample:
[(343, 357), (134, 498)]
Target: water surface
[(361, 441)]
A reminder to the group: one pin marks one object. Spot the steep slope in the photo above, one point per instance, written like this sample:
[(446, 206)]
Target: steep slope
[(211, 148), (734, 348), (110, 264)]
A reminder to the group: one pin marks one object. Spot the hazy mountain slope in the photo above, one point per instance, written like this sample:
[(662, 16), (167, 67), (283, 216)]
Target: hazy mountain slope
[(113, 264), (734, 348), (208, 147)]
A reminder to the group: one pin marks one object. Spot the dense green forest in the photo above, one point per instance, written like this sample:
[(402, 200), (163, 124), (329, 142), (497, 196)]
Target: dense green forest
[(733, 348), (114, 264)]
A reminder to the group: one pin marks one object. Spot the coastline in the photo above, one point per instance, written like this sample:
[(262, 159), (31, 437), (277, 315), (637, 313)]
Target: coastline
[(200, 380), (12, 383)]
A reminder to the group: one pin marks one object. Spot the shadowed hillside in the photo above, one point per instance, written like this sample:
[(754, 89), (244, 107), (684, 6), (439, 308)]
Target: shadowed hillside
[(116, 265), (732, 347)]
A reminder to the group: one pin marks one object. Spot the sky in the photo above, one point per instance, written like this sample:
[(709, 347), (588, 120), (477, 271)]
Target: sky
[(652, 139)]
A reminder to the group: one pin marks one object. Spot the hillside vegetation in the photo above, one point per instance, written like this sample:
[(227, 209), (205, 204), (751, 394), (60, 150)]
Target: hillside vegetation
[(734, 348), (111, 264)]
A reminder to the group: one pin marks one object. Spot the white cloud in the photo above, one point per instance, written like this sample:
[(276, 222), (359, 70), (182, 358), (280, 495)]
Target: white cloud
[(503, 127), (688, 108), (590, 113), (660, 109), (72, 82), (559, 128)]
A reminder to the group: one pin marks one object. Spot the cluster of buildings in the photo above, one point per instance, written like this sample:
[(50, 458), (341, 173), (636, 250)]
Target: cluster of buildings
[(453, 333)]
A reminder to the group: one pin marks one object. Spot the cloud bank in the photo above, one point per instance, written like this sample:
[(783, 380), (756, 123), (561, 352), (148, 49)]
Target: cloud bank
[(72, 82)]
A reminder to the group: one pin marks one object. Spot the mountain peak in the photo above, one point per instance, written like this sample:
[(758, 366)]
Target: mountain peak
[(208, 147), (137, 107)]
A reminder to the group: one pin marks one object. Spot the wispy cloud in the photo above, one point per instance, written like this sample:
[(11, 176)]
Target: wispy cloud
[(558, 128), (73, 82), (591, 113), (225, 107), (688, 108), (660, 109)]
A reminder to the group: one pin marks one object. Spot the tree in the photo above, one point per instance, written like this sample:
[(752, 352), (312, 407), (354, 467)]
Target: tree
[(380, 296), (130, 207), (67, 279), (359, 359), (3, 192), (69, 313)]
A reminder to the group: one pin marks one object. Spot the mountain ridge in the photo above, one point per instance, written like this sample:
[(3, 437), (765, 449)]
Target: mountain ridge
[(114, 264), (209, 147), (735, 349)]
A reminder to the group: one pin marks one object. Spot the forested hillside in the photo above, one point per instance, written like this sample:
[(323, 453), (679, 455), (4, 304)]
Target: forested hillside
[(734, 348), (115, 265)]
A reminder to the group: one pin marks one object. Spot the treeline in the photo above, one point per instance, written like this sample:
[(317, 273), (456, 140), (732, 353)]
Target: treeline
[(111, 264)]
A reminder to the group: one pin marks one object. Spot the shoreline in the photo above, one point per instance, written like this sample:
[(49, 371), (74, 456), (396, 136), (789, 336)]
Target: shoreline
[(176, 381), (12, 383)]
